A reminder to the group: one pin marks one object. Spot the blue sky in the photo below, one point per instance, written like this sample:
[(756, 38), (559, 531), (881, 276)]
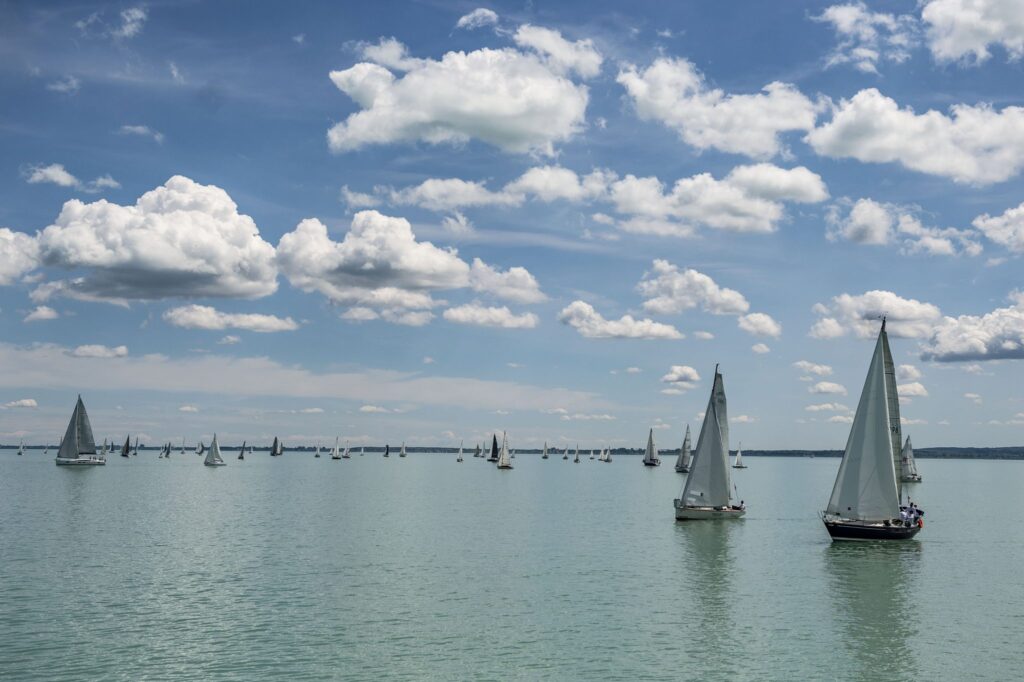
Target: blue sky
[(428, 221)]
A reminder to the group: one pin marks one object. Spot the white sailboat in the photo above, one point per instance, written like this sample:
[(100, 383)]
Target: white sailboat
[(738, 462), (459, 459), (576, 457), (317, 455), (78, 446), (565, 454), (707, 492), (135, 450), (335, 453), (544, 455), (865, 501), (504, 462), (651, 453), (276, 448), (607, 455), (21, 448), (909, 464), (591, 453), (213, 458), (401, 453), (683, 461), (346, 455), (360, 451)]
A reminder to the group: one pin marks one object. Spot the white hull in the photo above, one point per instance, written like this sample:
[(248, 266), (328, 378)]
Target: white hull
[(684, 513), (215, 464), (81, 461)]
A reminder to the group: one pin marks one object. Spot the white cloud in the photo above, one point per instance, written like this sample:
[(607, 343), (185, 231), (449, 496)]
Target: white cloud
[(840, 419), (515, 284), (975, 144), (703, 336), (550, 183), (207, 317), (973, 397), (457, 224), (995, 335), (672, 391), (908, 373), (827, 407), (132, 20), (19, 254), (760, 324), (41, 312), (867, 37), (188, 408), (873, 223), (743, 419), (577, 416), (229, 340), (478, 18), (768, 181), (760, 348), (176, 75), (560, 54), (1006, 230), (99, 351), (668, 291), (374, 409), (23, 403), (588, 322), (355, 200), (55, 174), (827, 388), (311, 410), (862, 315), (476, 314), (963, 30), (181, 239), (912, 422), (507, 98), (913, 389), (67, 85), (299, 38), (142, 131), (449, 194), (674, 92), (683, 377), (808, 367), (633, 370)]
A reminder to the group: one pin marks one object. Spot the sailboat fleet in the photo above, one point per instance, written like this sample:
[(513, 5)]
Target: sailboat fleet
[(868, 500)]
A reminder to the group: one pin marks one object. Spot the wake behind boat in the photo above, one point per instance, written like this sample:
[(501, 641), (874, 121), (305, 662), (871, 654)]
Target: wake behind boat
[(78, 447), (865, 501)]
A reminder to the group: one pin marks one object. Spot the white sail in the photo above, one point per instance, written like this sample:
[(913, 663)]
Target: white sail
[(401, 453), (213, 457), (866, 485), (21, 448), (503, 458), (907, 460), (544, 455), (459, 459), (683, 460), (651, 454), (738, 463), (78, 439), (708, 482)]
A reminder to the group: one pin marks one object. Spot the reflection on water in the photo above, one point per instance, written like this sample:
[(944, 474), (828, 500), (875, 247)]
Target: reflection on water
[(872, 587)]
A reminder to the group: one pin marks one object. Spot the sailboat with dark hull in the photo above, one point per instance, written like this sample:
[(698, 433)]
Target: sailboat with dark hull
[(79, 447), (241, 453), (494, 449), (277, 449), (865, 501), (685, 454), (126, 449)]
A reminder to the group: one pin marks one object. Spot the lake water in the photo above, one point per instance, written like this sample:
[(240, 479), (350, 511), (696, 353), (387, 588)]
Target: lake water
[(419, 568)]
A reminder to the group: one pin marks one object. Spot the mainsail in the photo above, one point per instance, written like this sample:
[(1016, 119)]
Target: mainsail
[(213, 457), (494, 449), (708, 482), (866, 487), (503, 458), (683, 461), (127, 447), (78, 438)]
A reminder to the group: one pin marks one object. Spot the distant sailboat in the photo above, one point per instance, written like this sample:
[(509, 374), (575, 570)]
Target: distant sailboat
[(335, 453), (241, 451), (683, 461), (591, 454), (183, 445), (565, 454), (317, 455), (707, 493), (46, 450), (360, 452), (401, 453), (277, 448), (201, 448), (135, 450), (21, 448), (503, 457), (576, 458), (544, 455), (494, 449), (103, 453), (738, 462), (910, 473), (126, 449), (476, 453), (459, 458), (213, 458), (346, 455), (607, 454), (865, 502), (387, 450), (651, 454), (78, 446), (513, 453)]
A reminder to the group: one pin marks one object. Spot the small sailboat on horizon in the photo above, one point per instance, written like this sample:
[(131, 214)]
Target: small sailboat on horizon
[(213, 458), (335, 454), (21, 448), (277, 448), (504, 462), (401, 453), (685, 454), (651, 453), (576, 457), (738, 462), (241, 451), (909, 468), (459, 459), (135, 450), (544, 455)]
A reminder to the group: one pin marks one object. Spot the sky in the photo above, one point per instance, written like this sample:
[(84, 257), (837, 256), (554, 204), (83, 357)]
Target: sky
[(424, 222)]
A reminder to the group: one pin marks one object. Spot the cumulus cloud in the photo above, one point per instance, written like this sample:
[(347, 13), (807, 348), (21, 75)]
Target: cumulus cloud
[(908, 373), (703, 336), (142, 131), (973, 397), (995, 335), (865, 38), (963, 30), (674, 93), (874, 223), (512, 99), (457, 224), (207, 317), (448, 194), (478, 18), (667, 291), (132, 20), (355, 200), (808, 367), (913, 389), (515, 284), (578, 416), (588, 322), (41, 312), (19, 255), (683, 377), (188, 408), (374, 409), (99, 351), (827, 387), (975, 145), (179, 240), (743, 419), (760, 324), (840, 419), (550, 183), (760, 348), (1007, 229), (476, 314), (827, 407), (561, 55), (23, 403), (229, 340), (862, 315), (67, 85), (54, 174)]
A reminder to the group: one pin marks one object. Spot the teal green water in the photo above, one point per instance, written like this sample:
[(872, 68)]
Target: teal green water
[(420, 568)]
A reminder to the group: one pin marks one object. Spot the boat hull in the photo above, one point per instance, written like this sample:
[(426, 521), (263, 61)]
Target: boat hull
[(507, 466), (81, 461), (856, 531), (684, 513), (656, 463), (741, 466), (215, 464), (910, 479), (682, 470)]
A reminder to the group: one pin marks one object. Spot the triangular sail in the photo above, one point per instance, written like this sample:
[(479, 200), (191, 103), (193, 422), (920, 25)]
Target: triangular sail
[(78, 439), (241, 453), (503, 457), (683, 461), (213, 454), (651, 454), (866, 486), (707, 485), (739, 456), (907, 457), (127, 447), (895, 424)]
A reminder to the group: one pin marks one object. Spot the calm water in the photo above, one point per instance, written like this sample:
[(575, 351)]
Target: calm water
[(372, 568)]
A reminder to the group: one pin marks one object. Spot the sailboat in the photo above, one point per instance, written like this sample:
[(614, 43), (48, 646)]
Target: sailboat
[(213, 458), (103, 453), (241, 451), (683, 461), (183, 445), (591, 454), (387, 450), (459, 459), (544, 455), (135, 450), (576, 459), (503, 459), (909, 465), (317, 455), (167, 450), (494, 449), (738, 462), (127, 447), (476, 453), (565, 454), (346, 455), (78, 446), (46, 450), (335, 453), (513, 455), (360, 451), (21, 448), (651, 454), (401, 453), (277, 449), (607, 455), (707, 492), (865, 501), (201, 448)]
